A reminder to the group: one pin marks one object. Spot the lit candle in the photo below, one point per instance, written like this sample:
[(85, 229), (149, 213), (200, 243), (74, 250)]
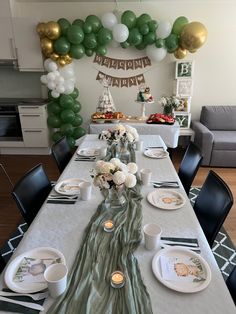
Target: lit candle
[(108, 226), (117, 279)]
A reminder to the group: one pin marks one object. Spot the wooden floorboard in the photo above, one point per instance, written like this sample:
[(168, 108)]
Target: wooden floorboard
[(16, 166)]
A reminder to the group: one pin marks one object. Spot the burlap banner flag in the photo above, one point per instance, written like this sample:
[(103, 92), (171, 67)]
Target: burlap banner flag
[(122, 81), (131, 64)]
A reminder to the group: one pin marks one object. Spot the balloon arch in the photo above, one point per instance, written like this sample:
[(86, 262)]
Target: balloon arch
[(61, 42)]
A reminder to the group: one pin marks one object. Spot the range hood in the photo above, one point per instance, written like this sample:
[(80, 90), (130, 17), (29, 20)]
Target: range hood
[(9, 64)]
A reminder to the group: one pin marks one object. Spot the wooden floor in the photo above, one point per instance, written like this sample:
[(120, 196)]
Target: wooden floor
[(16, 166)]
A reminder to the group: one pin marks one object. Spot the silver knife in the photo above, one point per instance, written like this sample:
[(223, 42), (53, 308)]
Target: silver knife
[(30, 305)]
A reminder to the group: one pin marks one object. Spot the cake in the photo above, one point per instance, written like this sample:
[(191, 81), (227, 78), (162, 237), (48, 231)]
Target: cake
[(144, 94)]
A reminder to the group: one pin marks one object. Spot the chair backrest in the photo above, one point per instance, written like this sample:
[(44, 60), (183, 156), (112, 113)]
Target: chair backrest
[(189, 166), (213, 205), (219, 117), (2, 263), (231, 284), (31, 191), (62, 153)]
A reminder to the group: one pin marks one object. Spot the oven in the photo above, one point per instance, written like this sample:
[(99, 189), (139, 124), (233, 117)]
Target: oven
[(10, 127)]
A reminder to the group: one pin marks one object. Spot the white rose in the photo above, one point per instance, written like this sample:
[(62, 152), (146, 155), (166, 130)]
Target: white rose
[(130, 180), (104, 167), (130, 137), (123, 167), (98, 165), (116, 162), (132, 167), (119, 177), (119, 128)]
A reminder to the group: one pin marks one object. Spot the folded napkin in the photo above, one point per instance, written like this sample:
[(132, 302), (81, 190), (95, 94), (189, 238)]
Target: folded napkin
[(188, 243), (16, 308)]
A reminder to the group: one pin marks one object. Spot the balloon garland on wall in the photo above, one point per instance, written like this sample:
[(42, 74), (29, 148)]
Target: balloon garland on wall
[(62, 42)]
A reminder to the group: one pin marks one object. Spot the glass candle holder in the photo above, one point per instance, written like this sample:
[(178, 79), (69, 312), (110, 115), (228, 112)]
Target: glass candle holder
[(108, 226), (117, 279)]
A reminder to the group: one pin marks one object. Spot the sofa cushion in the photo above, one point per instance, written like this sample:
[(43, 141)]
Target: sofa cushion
[(219, 117), (224, 140)]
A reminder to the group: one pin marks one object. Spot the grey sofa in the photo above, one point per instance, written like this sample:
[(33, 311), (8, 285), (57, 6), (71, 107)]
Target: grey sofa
[(215, 135)]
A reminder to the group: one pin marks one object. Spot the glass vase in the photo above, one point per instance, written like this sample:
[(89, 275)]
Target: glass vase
[(168, 111), (123, 152), (115, 198)]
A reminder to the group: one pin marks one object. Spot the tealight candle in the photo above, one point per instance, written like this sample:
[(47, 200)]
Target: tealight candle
[(117, 279), (108, 226)]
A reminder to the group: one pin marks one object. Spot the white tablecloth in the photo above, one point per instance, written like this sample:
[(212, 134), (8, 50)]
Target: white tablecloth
[(169, 133), (62, 227)]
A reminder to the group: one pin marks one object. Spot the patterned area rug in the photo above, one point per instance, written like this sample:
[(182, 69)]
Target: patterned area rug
[(223, 248)]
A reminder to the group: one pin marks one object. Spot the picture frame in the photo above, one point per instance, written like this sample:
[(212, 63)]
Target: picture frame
[(184, 119), (184, 69), (185, 103), (183, 88)]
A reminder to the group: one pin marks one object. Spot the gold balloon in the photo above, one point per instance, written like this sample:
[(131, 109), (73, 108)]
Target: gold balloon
[(40, 29), (192, 51), (52, 30), (193, 36), (180, 53), (54, 56), (67, 58), (46, 46), (61, 61)]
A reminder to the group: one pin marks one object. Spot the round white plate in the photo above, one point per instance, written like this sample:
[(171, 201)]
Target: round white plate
[(88, 152), (156, 153), (68, 186), (186, 286), (166, 199), (38, 253)]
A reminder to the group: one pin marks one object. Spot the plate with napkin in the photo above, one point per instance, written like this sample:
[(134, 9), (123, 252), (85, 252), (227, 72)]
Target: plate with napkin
[(157, 153), (68, 186), (88, 152)]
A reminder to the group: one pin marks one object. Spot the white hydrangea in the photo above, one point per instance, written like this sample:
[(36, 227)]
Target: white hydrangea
[(104, 167), (119, 177), (132, 167), (130, 180), (120, 128), (116, 162), (130, 137)]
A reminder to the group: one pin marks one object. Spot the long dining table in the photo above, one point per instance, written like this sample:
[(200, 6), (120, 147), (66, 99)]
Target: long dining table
[(62, 227)]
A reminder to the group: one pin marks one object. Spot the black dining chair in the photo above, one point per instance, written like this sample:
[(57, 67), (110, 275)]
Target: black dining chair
[(189, 166), (62, 154), (231, 284), (213, 205), (2, 263), (31, 191)]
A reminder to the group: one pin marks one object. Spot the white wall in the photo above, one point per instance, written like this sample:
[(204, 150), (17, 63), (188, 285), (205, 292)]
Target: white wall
[(215, 62)]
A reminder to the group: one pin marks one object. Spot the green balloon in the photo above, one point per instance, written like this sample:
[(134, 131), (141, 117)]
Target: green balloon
[(66, 101), (64, 25), (144, 29), (142, 19), (104, 36), (125, 44), (78, 22), (172, 43), (75, 34), (129, 19), (78, 132), (61, 45), (53, 107), (77, 51), (101, 50), (135, 38), (75, 94), (90, 41), (77, 107), (95, 22), (67, 116), (54, 121), (150, 38), (70, 141), (153, 24), (66, 129), (87, 28), (56, 136), (78, 120), (179, 24), (160, 43), (89, 52), (141, 46)]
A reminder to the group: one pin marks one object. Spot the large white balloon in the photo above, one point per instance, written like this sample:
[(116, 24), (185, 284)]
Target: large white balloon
[(114, 44), (51, 85), (163, 29), (60, 89), (52, 66), (67, 72), (46, 63), (109, 20), (55, 94), (120, 33), (156, 54), (44, 79), (51, 76)]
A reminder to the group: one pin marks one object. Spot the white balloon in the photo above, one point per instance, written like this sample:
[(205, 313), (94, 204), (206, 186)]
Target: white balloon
[(60, 89), (55, 94), (60, 79), (51, 85), (56, 73), (120, 33), (114, 44), (46, 63), (69, 87), (109, 20), (67, 73), (44, 79), (156, 54), (52, 66), (51, 76), (163, 29)]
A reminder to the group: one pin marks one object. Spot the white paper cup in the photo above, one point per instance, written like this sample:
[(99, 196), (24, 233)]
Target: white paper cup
[(56, 278), (152, 236), (85, 190), (139, 145), (145, 176), (103, 151)]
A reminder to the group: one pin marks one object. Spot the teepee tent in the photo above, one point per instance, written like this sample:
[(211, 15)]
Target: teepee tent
[(105, 102)]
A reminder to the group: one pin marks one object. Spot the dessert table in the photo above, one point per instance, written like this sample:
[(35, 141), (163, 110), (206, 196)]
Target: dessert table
[(62, 227)]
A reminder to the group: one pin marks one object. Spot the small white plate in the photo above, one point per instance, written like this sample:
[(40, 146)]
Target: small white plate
[(182, 286), (166, 199), (156, 153), (88, 152), (38, 253), (68, 186)]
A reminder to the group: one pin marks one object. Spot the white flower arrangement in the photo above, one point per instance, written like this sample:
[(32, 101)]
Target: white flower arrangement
[(114, 173), (169, 103), (120, 133)]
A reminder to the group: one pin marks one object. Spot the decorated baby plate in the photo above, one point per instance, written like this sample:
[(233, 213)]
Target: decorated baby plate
[(25, 273), (88, 152), (68, 186), (166, 199), (181, 269), (156, 153)]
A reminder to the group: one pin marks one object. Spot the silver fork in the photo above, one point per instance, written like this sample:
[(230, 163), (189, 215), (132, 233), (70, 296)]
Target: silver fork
[(36, 296)]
